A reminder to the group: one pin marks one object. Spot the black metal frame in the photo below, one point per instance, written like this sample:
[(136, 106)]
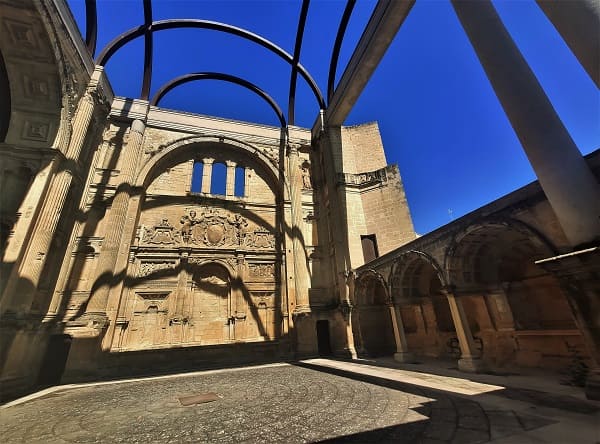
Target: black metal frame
[(91, 26), (150, 27), (218, 76), (297, 49), (337, 46)]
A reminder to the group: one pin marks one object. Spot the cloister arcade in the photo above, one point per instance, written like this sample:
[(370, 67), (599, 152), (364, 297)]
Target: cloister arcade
[(475, 292)]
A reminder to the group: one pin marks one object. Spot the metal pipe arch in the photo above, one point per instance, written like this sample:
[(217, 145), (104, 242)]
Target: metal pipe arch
[(111, 48), (177, 81)]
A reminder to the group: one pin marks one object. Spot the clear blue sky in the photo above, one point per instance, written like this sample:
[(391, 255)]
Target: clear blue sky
[(439, 118)]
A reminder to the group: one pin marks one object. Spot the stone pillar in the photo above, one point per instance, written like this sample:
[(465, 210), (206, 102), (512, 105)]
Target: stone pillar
[(348, 312), (230, 180), (105, 270), (24, 279), (468, 361), (402, 354), (206, 174), (566, 179), (578, 23), (300, 265)]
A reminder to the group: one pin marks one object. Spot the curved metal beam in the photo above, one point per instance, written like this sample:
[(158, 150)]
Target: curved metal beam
[(148, 52), (297, 48), (337, 46), (218, 76), (91, 26), (160, 25)]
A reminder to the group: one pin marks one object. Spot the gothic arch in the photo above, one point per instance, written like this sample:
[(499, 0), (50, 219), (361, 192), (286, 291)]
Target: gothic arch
[(466, 257), (401, 264), (363, 280)]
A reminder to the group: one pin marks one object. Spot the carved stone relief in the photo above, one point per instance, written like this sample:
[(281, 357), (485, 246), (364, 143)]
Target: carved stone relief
[(161, 234), (262, 270), (147, 268)]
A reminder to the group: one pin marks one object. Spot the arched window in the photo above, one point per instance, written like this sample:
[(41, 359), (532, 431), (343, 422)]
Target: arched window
[(218, 179), (197, 177), (240, 181)]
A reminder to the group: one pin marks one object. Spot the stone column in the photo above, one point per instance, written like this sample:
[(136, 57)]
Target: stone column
[(230, 180), (300, 265), (578, 23), (469, 361), (24, 279), (106, 268), (567, 181), (402, 354), (206, 174)]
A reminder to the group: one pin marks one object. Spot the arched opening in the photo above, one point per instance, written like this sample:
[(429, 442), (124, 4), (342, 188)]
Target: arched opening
[(219, 179), (374, 332), (506, 296), (426, 316), (196, 186), (240, 182)]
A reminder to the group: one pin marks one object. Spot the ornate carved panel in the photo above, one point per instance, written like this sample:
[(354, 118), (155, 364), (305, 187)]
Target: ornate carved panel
[(262, 271), (147, 268)]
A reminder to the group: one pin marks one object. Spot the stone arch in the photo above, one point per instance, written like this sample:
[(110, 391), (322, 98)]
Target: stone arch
[(372, 326), (416, 283), (491, 265), (173, 150), (215, 262), (469, 260)]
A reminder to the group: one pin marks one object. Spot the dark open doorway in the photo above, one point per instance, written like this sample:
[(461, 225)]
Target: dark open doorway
[(55, 360), (323, 338)]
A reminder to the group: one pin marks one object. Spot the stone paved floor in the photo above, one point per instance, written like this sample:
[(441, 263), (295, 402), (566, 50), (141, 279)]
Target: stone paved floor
[(276, 403)]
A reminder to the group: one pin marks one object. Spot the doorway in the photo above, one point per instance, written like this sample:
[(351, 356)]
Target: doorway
[(55, 360), (323, 338)]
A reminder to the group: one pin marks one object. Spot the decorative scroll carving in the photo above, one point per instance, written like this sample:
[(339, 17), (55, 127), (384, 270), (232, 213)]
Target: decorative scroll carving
[(147, 268), (161, 234)]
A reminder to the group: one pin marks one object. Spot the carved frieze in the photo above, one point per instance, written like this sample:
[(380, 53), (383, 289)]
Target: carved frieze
[(208, 227)]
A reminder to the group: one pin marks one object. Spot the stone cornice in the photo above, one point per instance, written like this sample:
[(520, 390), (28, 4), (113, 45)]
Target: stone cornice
[(129, 109)]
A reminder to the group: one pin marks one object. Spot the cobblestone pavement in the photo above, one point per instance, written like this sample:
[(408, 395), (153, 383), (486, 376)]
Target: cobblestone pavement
[(282, 403)]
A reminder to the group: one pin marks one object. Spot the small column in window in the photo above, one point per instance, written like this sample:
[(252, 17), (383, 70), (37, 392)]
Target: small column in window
[(207, 174), (230, 181)]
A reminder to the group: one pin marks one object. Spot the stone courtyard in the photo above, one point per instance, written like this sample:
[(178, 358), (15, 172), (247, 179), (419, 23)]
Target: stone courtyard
[(309, 401)]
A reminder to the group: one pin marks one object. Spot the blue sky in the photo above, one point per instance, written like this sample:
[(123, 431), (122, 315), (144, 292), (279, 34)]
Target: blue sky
[(438, 115)]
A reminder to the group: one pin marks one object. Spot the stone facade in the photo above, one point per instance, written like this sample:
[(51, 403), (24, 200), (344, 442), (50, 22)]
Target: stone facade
[(136, 238)]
